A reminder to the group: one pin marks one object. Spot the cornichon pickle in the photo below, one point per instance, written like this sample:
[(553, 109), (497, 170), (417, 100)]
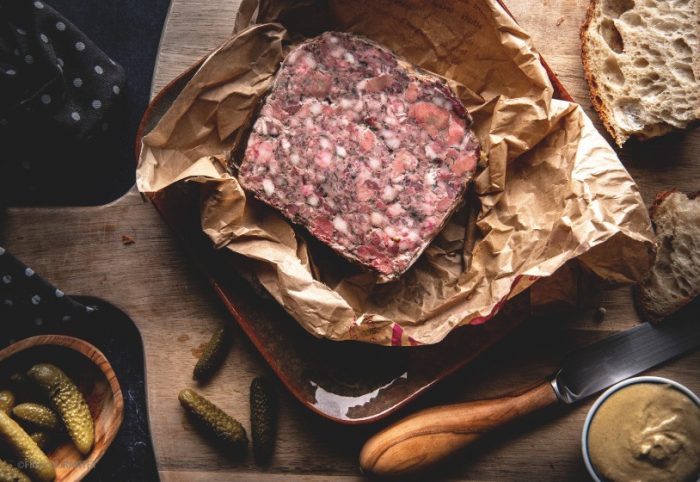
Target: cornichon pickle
[(213, 355), (42, 439), (10, 473), (28, 453), (7, 400), (214, 421), (37, 415), (263, 419), (68, 402)]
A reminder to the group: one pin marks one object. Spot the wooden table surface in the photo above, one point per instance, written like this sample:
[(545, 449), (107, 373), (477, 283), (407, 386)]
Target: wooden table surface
[(170, 301)]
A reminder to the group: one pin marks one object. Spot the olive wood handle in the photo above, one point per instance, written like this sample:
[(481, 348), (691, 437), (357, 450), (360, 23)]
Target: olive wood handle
[(431, 435)]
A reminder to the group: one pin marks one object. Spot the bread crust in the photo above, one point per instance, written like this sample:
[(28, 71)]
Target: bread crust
[(602, 110), (662, 195), (643, 301)]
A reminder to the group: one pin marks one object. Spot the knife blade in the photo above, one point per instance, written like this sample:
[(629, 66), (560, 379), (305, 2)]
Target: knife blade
[(434, 434), (622, 355)]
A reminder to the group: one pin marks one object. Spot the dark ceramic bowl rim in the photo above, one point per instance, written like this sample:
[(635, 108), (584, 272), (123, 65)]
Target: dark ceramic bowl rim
[(615, 388)]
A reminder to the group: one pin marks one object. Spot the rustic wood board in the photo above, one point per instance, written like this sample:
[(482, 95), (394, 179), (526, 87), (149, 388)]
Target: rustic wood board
[(175, 310)]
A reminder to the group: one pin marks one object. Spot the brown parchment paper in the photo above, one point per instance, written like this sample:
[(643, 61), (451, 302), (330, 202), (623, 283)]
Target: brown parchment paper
[(551, 191)]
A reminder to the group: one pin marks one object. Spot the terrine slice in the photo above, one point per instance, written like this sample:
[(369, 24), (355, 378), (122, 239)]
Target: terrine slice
[(368, 153)]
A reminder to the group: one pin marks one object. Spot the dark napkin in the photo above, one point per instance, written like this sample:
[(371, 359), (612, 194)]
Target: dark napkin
[(58, 93), (28, 301), (51, 73)]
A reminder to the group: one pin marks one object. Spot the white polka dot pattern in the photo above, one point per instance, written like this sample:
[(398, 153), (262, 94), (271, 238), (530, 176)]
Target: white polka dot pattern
[(25, 297), (78, 93)]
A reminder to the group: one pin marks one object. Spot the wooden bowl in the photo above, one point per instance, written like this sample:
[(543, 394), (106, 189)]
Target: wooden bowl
[(92, 373)]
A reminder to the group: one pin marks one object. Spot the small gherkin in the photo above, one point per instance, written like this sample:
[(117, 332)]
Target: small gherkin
[(68, 402), (213, 421), (10, 473), (37, 415), (7, 400), (26, 450), (263, 419), (213, 355)]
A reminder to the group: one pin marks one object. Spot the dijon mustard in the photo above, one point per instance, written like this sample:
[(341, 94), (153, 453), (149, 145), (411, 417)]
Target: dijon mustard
[(646, 432)]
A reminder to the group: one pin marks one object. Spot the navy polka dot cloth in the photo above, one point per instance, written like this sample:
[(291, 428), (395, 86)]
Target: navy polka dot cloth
[(28, 301), (52, 74), (61, 106)]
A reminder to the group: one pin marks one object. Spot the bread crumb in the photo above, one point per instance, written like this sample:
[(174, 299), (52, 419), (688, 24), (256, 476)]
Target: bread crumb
[(127, 240), (599, 314), (197, 351)]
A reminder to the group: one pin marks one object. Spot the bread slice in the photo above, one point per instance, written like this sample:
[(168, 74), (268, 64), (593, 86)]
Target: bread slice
[(642, 62), (674, 280)]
